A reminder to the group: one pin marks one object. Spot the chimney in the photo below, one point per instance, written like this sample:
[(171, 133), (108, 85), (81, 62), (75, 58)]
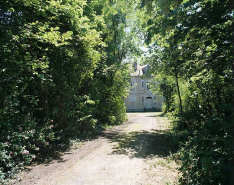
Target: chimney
[(134, 66)]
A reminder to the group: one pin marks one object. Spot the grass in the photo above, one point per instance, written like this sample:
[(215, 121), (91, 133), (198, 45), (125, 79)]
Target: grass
[(166, 162)]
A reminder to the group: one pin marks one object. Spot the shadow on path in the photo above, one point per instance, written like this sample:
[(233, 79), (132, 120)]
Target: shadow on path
[(143, 144)]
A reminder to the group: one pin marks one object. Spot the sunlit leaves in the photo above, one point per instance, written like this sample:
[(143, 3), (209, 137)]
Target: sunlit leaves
[(192, 41), (50, 52)]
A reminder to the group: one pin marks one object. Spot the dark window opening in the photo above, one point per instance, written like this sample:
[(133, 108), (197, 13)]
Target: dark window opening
[(148, 85)]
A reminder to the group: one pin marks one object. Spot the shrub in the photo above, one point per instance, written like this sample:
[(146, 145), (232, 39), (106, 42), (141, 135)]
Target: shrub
[(206, 157), (21, 144)]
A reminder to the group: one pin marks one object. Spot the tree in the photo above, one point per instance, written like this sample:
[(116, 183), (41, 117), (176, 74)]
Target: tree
[(61, 74), (192, 41)]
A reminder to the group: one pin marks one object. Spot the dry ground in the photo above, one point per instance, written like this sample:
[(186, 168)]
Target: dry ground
[(130, 154)]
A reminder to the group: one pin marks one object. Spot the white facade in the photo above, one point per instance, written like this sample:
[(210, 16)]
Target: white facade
[(140, 97)]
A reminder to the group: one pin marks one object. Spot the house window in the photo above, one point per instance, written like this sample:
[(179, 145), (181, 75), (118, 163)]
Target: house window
[(142, 84), (132, 86), (142, 99), (148, 86), (132, 102), (132, 98)]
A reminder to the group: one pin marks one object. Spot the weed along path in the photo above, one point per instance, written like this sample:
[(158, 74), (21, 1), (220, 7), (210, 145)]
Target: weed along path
[(133, 153)]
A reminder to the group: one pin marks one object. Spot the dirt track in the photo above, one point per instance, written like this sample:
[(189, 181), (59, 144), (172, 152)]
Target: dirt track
[(129, 154)]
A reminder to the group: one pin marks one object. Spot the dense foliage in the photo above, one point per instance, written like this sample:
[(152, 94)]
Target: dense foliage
[(191, 47), (61, 74)]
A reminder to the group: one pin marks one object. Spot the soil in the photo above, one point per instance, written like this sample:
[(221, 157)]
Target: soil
[(134, 153)]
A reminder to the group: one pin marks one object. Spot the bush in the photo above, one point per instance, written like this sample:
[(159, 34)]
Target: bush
[(206, 157), (21, 144)]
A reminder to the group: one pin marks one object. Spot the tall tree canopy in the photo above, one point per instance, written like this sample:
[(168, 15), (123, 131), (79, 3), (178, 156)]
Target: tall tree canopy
[(192, 51), (61, 74)]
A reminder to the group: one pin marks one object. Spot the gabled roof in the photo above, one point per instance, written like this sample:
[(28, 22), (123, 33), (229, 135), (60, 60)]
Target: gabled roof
[(140, 70)]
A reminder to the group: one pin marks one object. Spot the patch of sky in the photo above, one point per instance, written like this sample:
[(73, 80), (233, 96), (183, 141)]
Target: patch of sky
[(144, 49), (199, 9), (179, 25), (196, 5), (127, 30), (227, 42), (190, 12), (231, 14), (195, 9)]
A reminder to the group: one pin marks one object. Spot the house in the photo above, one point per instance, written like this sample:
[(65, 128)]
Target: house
[(140, 97)]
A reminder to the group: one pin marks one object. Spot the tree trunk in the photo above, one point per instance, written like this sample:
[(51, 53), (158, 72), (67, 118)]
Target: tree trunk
[(178, 90)]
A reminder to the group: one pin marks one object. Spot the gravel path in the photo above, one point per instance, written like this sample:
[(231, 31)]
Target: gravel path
[(130, 154)]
